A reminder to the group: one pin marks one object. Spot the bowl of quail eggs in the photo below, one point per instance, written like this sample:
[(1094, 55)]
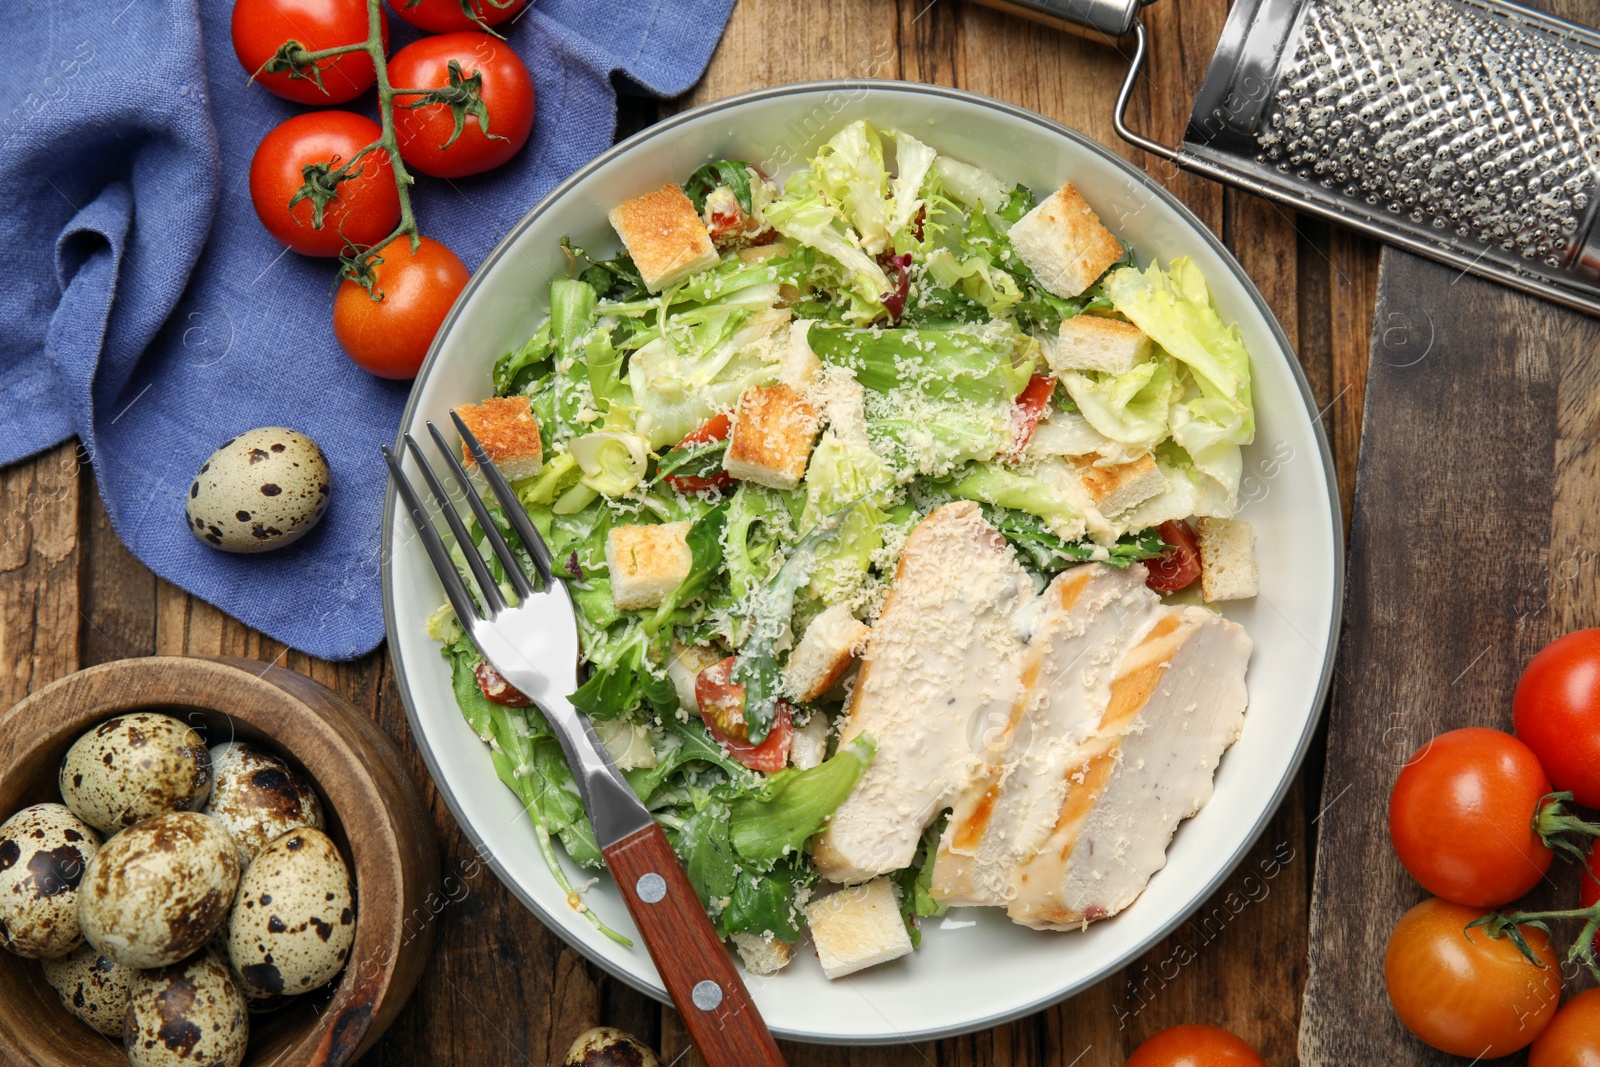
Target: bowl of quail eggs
[(204, 862)]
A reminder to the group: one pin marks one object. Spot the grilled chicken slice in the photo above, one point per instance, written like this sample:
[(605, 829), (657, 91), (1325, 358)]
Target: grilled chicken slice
[(939, 680), (1176, 704), (1079, 629)]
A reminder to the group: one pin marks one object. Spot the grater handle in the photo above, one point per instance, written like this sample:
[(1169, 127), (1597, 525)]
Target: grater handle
[(1119, 118), (1103, 20)]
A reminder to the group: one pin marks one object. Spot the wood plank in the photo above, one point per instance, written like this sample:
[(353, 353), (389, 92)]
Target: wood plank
[(40, 503), (1508, 504)]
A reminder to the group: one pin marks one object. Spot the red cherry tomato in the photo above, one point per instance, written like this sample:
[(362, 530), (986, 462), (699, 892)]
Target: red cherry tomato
[(1556, 711), (1194, 1045), (722, 707), (1462, 991), (260, 28), (716, 428), (1461, 817), (496, 688), (1179, 565), (425, 132), (1030, 407), (1573, 1037), (390, 337), (366, 207), (1589, 890), (448, 16)]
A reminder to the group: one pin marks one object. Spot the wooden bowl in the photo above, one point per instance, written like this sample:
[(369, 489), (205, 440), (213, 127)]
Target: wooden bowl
[(374, 814)]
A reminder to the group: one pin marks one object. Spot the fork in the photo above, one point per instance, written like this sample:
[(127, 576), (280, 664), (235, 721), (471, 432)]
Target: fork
[(533, 643)]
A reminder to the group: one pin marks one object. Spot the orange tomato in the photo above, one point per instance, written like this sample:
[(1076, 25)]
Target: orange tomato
[(390, 337), (1195, 1045), (1462, 991), (1573, 1037)]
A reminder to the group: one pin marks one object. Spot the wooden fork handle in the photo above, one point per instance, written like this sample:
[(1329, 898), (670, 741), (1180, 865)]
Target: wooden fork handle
[(695, 966)]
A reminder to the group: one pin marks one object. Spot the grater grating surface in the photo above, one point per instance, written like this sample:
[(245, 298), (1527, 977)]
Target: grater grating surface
[(1464, 129)]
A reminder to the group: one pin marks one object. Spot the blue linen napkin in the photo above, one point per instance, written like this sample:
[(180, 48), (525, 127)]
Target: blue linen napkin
[(147, 311)]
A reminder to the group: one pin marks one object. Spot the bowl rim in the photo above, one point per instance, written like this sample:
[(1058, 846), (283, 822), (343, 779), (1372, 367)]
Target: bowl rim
[(502, 248), (384, 962)]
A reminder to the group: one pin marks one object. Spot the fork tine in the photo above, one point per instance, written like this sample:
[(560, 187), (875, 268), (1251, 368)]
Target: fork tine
[(508, 559), (493, 600), (537, 549), (454, 587)]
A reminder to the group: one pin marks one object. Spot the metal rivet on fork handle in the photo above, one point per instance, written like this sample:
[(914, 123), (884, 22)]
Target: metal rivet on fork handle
[(707, 995), (651, 887)]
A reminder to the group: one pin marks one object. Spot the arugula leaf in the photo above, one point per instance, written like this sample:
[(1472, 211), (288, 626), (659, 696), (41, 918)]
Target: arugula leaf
[(916, 884), (733, 173), (764, 902), (1034, 540), (793, 805), (771, 608), (536, 358), (703, 459)]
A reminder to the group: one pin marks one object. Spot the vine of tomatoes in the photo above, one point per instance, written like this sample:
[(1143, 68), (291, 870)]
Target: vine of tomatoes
[(336, 184)]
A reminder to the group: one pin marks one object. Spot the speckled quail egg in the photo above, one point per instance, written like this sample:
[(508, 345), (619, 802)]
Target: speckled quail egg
[(187, 1015), (258, 797), (605, 1046), (44, 852), (261, 490), (135, 766), (92, 987), (158, 890), (294, 922)]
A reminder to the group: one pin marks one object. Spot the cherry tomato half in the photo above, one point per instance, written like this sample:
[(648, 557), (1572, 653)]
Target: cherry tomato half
[(1179, 566), (1556, 711), (425, 132), (448, 16), (365, 208), (1461, 817), (1573, 1037), (716, 428), (1029, 409), (390, 337), (260, 28), (722, 707), (1462, 991), (1194, 1045)]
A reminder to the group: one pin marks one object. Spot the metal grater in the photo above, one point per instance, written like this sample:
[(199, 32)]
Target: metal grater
[(1464, 130)]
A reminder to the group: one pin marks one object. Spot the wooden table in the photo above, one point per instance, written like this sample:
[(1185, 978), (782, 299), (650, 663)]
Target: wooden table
[(502, 989)]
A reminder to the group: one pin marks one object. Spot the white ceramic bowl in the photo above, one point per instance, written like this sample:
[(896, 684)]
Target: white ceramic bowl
[(974, 969)]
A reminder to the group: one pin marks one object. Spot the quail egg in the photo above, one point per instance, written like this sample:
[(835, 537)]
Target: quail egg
[(187, 1015), (135, 766), (258, 797), (92, 987), (605, 1046), (158, 890), (261, 490), (44, 851), (294, 922)]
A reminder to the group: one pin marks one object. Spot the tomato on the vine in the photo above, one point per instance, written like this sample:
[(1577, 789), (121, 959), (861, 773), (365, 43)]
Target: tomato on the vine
[(1195, 1045), (448, 16), (1462, 991), (1573, 1037), (1461, 817), (1179, 565), (364, 208), (390, 337), (493, 93), (1556, 712), (261, 27)]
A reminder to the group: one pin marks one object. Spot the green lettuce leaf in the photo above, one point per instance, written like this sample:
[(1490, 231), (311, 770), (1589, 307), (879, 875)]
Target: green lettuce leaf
[(793, 805), (1131, 408), (850, 174)]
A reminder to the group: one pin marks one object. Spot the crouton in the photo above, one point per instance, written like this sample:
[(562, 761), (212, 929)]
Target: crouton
[(646, 563), (665, 236), (1227, 559), (1064, 243), (1091, 342), (810, 745), (508, 432), (1117, 488), (800, 365), (762, 956), (858, 927), (770, 441), (685, 666), (826, 651)]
